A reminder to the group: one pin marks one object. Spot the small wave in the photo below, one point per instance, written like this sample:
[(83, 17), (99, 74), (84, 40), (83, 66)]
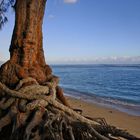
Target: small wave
[(118, 102), (124, 106)]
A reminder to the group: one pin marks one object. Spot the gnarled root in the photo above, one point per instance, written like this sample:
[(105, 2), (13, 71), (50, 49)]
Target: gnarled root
[(32, 112)]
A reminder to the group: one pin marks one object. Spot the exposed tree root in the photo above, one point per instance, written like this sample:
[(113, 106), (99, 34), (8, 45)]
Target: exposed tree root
[(32, 112)]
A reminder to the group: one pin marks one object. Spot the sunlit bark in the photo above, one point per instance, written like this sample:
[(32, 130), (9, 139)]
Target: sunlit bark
[(26, 49)]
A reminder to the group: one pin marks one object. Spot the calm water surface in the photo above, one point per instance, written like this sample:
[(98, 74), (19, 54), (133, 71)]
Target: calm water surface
[(116, 86)]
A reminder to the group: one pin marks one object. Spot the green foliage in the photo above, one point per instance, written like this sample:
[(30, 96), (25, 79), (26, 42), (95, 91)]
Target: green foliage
[(4, 5)]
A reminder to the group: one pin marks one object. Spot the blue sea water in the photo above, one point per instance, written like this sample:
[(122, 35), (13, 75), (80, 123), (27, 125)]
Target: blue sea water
[(116, 86)]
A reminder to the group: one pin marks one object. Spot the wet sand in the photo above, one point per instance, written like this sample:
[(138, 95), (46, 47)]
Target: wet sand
[(112, 116)]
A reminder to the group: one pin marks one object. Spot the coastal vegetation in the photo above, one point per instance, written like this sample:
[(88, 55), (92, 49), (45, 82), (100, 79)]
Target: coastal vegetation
[(32, 104)]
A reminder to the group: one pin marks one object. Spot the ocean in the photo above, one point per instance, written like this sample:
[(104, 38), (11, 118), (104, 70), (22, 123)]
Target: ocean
[(114, 86)]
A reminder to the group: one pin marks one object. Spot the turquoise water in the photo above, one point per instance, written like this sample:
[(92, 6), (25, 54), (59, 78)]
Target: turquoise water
[(116, 86)]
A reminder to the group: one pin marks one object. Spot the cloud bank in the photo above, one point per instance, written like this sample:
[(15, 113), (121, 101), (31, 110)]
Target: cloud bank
[(70, 1), (1, 57), (97, 60)]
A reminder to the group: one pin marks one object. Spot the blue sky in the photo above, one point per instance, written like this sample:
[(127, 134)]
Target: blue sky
[(86, 31)]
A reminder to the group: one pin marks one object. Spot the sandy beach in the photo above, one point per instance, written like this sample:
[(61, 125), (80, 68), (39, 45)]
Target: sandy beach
[(112, 116)]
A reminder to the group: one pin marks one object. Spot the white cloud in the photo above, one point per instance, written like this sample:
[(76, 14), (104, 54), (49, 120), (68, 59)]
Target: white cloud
[(70, 1), (97, 60), (51, 16), (1, 57), (117, 60)]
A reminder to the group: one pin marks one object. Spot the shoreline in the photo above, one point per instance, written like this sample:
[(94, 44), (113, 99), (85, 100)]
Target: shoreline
[(128, 108), (112, 116)]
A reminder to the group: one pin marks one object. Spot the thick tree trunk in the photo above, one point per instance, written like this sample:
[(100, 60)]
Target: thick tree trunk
[(26, 49), (28, 90)]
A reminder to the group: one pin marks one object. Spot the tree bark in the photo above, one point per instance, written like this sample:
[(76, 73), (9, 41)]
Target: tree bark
[(26, 49), (28, 90)]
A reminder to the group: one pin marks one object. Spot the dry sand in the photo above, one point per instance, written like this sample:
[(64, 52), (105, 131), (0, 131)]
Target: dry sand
[(112, 116)]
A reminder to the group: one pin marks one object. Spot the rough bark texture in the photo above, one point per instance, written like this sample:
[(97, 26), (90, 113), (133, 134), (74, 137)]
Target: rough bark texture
[(32, 112), (26, 50), (30, 97)]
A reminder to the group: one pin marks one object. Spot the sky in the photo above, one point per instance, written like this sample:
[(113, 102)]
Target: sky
[(86, 31)]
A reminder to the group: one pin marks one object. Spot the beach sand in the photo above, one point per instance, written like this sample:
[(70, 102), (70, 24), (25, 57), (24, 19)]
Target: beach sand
[(112, 116)]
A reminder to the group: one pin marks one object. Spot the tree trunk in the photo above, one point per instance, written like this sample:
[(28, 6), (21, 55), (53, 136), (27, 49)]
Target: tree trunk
[(28, 90), (26, 49)]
